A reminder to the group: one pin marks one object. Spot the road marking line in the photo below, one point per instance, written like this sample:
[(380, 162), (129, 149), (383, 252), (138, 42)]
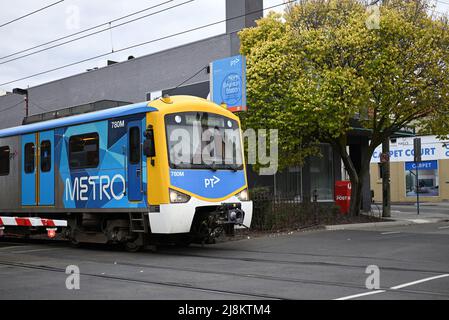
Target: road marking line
[(418, 281), (391, 232), (361, 295), (393, 288), (446, 227), (419, 221)]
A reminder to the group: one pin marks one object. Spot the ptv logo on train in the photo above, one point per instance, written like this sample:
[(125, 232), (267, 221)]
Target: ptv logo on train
[(95, 188), (211, 182)]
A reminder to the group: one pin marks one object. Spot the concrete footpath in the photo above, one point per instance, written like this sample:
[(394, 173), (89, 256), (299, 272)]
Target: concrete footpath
[(402, 215)]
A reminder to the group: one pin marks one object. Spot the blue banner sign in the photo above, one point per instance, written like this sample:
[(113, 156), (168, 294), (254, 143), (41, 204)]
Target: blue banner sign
[(228, 82), (424, 165)]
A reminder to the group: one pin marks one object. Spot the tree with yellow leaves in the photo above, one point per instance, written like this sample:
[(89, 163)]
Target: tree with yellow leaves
[(325, 64)]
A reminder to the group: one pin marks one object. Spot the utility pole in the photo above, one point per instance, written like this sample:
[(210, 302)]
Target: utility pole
[(23, 92), (26, 105), (386, 196), (417, 160)]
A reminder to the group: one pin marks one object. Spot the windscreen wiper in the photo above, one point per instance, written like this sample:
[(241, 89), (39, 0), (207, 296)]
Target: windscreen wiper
[(232, 167), (211, 167)]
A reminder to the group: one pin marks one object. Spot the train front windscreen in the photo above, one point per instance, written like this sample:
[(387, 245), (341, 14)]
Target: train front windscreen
[(201, 140)]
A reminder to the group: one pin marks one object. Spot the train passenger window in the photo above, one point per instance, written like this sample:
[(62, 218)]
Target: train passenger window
[(45, 156), (134, 145), (4, 161), (29, 157), (84, 151)]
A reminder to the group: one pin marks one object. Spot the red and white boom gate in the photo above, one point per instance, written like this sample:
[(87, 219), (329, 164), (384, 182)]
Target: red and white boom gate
[(51, 225)]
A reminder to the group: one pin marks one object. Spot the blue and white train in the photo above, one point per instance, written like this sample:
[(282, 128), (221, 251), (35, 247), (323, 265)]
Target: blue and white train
[(134, 174)]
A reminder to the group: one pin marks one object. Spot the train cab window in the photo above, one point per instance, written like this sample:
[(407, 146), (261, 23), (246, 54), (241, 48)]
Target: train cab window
[(4, 161), (84, 151), (29, 158), (45, 156), (134, 145)]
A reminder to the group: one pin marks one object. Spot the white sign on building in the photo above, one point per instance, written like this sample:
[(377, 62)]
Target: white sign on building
[(402, 149)]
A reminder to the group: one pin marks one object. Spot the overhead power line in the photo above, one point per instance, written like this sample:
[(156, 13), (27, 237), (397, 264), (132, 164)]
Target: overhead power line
[(108, 28), (37, 106), (85, 30), (31, 13), (31, 102), (191, 77), (11, 107), (145, 43)]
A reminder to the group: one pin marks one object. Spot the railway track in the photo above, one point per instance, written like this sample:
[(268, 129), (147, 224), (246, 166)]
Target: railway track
[(170, 252), (311, 263), (145, 282), (224, 273), (175, 252)]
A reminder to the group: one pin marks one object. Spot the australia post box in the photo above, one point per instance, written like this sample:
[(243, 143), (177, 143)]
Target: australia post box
[(343, 195)]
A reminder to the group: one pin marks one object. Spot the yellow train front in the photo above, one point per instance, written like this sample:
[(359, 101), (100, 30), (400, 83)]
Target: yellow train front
[(196, 185)]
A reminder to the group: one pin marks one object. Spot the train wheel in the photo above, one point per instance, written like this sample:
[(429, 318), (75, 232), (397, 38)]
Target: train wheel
[(132, 246), (74, 242)]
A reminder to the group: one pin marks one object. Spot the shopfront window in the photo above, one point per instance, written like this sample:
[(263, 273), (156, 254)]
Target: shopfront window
[(288, 183), (427, 173), (322, 175)]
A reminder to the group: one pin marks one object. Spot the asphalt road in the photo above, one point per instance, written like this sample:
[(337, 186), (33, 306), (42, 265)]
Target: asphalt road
[(308, 265)]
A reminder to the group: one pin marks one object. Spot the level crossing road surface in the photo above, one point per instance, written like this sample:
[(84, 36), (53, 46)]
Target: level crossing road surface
[(413, 262)]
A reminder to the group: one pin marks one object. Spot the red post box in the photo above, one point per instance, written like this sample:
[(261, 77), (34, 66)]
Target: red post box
[(343, 195)]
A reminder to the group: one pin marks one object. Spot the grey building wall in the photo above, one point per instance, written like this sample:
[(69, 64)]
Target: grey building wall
[(130, 80), (125, 81), (12, 110)]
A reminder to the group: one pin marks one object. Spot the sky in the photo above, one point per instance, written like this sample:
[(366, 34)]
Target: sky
[(70, 16)]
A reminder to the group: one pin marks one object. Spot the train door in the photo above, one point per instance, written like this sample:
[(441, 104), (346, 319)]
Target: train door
[(134, 161), (46, 168), (38, 180), (29, 174)]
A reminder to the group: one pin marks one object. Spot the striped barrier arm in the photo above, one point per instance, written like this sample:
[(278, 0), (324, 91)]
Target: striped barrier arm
[(31, 222)]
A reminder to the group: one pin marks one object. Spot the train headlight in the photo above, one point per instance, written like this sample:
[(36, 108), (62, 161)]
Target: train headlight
[(178, 197), (243, 195)]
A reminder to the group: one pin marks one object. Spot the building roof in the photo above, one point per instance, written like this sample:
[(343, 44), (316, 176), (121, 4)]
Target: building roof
[(78, 119)]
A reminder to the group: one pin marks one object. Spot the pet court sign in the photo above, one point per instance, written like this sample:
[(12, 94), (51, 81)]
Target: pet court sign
[(228, 82)]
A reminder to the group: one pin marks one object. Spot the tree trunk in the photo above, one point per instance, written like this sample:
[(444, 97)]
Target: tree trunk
[(357, 178), (356, 188), (363, 174)]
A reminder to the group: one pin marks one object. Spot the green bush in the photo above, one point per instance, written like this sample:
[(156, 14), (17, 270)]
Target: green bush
[(272, 213)]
